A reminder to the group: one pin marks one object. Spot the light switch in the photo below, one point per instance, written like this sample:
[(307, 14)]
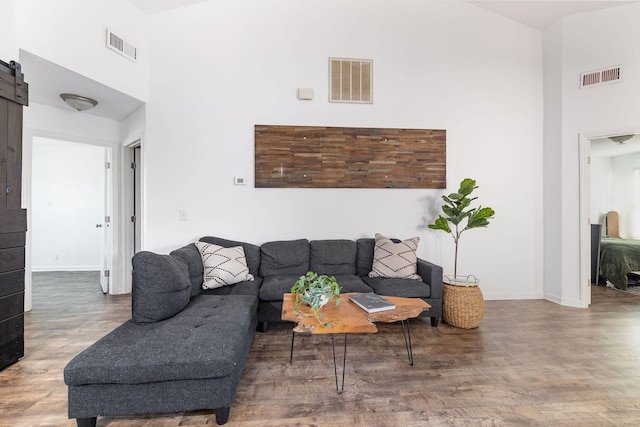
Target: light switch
[(183, 214)]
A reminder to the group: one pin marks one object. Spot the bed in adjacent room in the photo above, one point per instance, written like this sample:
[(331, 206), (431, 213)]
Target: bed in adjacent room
[(618, 258)]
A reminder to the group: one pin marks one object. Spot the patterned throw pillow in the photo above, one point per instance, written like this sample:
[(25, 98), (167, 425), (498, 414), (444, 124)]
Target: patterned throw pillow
[(395, 260), (223, 266)]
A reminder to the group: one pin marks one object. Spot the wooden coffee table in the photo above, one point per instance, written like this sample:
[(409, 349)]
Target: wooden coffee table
[(348, 318)]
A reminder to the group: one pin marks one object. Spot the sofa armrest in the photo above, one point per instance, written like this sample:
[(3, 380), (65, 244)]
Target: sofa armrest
[(432, 275)]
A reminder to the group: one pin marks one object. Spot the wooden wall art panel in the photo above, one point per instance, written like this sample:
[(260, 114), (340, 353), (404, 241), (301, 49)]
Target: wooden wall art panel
[(336, 157)]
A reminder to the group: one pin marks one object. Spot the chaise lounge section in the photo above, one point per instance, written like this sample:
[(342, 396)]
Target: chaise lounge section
[(190, 360)]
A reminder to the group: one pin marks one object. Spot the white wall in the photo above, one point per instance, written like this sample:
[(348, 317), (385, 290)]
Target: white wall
[(68, 195), (601, 195), (133, 126), (8, 42), (552, 176), (625, 194), (439, 65), (71, 125), (72, 34), (589, 41)]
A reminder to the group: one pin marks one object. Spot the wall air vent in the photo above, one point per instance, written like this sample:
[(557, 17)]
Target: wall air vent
[(350, 80), (600, 77), (124, 48)]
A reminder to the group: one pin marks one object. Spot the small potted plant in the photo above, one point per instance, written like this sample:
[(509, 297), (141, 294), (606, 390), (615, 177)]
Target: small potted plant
[(462, 302), (315, 291)]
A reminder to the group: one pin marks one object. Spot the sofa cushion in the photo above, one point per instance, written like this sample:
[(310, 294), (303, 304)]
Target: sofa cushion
[(223, 266), (191, 257), (251, 252), (395, 260), (206, 340), (408, 288), (284, 258), (364, 257), (351, 283), (274, 287), (249, 287), (160, 287), (333, 257)]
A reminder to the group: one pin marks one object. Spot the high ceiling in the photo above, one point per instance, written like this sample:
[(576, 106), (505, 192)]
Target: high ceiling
[(542, 14), (48, 80), (537, 14), (154, 6)]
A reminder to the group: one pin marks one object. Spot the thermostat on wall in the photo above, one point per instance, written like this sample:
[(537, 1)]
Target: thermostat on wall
[(305, 94), (239, 180)]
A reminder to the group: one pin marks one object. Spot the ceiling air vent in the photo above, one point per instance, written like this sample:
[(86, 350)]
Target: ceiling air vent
[(124, 48), (350, 80), (600, 77)]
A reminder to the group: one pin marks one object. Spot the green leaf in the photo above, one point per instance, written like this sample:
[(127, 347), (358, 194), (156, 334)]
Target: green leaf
[(467, 186), (448, 201), (480, 217), (464, 203), (441, 223), (449, 211)]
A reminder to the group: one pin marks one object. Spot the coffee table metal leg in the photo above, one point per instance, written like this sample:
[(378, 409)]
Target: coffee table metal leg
[(293, 337), (407, 340), (335, 365)]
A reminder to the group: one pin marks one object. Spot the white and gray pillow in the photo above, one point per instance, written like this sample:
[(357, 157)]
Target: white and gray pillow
[(395, 260), (223, 266)]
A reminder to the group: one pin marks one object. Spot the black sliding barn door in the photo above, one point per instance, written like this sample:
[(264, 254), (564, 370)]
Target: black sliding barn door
[(13, 220)]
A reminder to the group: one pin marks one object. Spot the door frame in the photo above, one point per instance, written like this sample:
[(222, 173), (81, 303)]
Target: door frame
[(584, 277), (585, 205), (128, 207), (27, 169), (106, 251)]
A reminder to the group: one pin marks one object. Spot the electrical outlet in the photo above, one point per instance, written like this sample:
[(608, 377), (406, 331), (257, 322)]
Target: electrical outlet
[(238, 180)]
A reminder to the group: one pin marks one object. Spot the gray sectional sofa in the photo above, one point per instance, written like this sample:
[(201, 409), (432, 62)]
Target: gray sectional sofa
[(185, 347)]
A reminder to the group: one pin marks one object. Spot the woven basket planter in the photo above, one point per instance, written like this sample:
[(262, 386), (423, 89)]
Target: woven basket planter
[(462, 306)]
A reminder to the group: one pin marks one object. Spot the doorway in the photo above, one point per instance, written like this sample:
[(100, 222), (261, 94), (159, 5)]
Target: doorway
[(614, 168), (607, 167), (70, 219), (132, 208)]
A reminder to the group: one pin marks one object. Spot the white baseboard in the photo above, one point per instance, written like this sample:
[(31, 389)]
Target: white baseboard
[(65, 268)]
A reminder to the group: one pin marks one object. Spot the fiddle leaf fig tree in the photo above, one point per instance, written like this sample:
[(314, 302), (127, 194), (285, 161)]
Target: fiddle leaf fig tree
[(460, 217)]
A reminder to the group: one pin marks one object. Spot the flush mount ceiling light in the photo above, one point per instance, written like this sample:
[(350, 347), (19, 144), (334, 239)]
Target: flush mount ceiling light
[(621, 139), (77, 102)]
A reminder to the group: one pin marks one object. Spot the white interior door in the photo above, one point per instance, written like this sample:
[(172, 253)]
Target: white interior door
[(107, 230)]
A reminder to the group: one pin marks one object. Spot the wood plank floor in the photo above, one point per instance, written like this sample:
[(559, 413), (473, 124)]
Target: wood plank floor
[(530, 363)]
